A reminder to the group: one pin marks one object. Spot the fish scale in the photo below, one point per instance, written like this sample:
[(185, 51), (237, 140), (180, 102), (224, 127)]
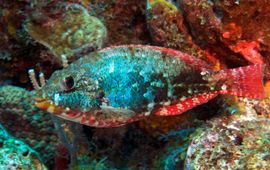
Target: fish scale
[(130, 82), (163, 72)]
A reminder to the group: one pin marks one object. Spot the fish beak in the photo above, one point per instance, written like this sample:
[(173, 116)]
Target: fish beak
[(47, 105), (51, 107)]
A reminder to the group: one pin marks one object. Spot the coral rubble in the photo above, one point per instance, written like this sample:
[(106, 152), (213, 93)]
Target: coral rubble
[(231, 143)]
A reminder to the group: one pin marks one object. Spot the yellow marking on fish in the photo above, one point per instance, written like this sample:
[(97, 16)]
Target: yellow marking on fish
[(50, 109)]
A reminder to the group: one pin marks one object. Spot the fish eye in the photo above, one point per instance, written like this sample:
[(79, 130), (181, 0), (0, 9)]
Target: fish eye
[(68, 83)]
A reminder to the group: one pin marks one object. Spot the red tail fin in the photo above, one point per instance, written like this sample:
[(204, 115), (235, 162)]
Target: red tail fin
[(244, 81)]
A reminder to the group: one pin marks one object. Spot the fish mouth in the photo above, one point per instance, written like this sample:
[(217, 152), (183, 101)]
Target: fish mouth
[(49, 106)]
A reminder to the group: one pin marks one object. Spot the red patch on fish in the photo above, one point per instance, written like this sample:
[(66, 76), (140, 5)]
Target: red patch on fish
[(243, 81), (182, 106)]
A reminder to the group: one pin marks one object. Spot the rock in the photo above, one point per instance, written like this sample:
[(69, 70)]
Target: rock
[(67, 30), (231, 143), (15, 154)]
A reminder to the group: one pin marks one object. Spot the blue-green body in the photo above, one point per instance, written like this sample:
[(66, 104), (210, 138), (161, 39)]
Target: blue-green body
[(133, 78), (117, 83)]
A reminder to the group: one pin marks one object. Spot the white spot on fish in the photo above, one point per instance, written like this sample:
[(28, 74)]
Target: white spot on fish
[(64, 114), (167, 103), (224, 87), (111, 68), (204, 73), (56, 99), (103, 104), (96, 83), (50, 109), (179, 106), (183, 98), (95, 124), (163, 112), (150, 106), (195, 101), (147, 113)]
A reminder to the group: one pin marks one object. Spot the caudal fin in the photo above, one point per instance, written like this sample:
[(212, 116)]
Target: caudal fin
[(244, 81)]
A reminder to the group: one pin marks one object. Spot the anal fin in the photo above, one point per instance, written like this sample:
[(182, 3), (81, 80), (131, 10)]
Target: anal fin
[(181, 106)]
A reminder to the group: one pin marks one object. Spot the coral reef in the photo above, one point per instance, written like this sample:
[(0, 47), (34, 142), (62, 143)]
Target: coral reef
[(263, 107), (231, 143), (239, 141), (15, 154), (15, 43), (124, 19), (26, 122), (167, 28), (69, 31), (222, 25), (225, 34)]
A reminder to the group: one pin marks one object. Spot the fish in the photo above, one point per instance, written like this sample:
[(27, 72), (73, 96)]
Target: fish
[(118, 85)]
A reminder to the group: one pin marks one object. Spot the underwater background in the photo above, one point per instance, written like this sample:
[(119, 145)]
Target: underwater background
[(39, 37)]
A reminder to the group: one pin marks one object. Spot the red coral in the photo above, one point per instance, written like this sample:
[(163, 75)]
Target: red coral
[(249, 50), (232, 31)]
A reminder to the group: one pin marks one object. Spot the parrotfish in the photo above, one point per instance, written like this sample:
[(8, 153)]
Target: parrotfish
[(122, 84)]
